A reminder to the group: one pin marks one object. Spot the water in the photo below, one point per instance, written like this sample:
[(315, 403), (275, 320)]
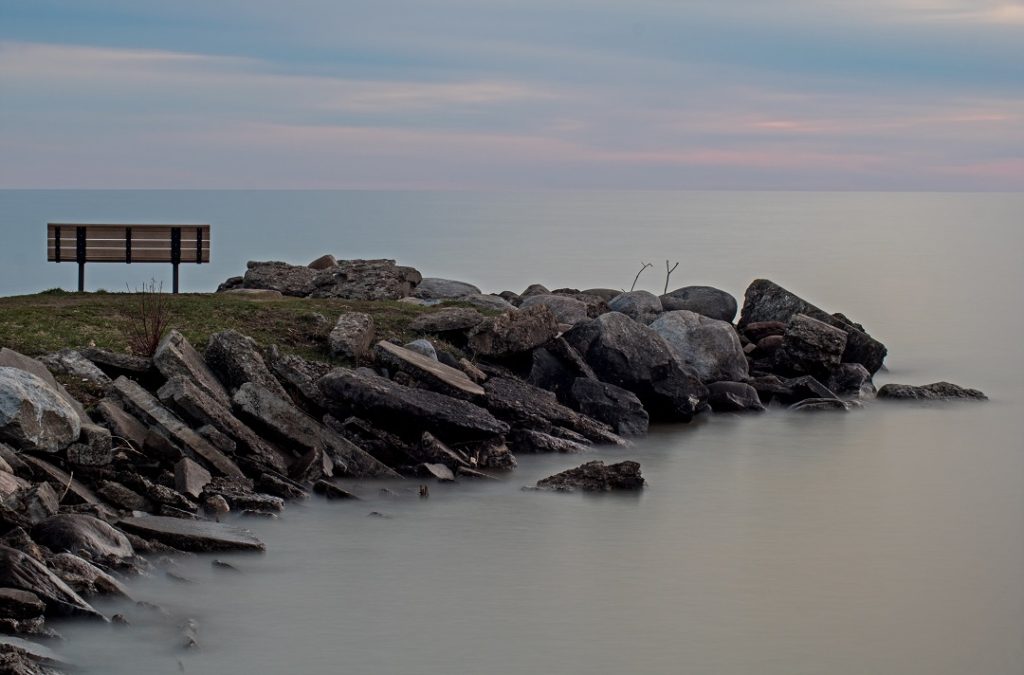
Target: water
[(888, 540)]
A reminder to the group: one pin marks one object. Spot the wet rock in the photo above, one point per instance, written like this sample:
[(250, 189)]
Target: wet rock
[(323, 262), (280, 486), (617, 407), (235, 359), (190, 478), (530, 442), (352, 336), (79, 533), (332, 491), (20, 604), (493, 454), (85, 578), (767, 301), (641, 306), (64, 485), (176, 357), (704, 300), (383, 446), (514, 332), (566, 309), (434, 375), (711, 348), (122, 497), (71, 363), (851, 380), (432, 288), (447, 320), (439, 471), (800, 388), (596, 477), (810, 347), (122, 426), (432, 450), (412, 411), (635, 357), (820, 404), (733, 397), (192, 535), (937, 391), (33, 416), (21, 572)]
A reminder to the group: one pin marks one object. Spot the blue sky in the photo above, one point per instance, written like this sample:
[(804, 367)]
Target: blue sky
[(659, 94)]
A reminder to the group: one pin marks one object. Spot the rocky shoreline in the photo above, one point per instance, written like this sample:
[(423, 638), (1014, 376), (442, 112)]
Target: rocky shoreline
[(181, 438)]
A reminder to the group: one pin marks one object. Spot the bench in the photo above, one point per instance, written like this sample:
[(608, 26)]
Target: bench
[(102, 243)]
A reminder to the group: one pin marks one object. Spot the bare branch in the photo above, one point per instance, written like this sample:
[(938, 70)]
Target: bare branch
[(645, 266), (668, 273)]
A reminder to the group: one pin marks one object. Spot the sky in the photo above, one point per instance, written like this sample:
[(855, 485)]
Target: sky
[(513, 94)]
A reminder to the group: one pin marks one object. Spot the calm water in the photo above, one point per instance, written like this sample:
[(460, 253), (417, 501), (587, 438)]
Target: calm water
[(888, 540)]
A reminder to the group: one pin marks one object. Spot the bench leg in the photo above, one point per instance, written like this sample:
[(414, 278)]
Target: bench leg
[(81, 277), (175, 283)]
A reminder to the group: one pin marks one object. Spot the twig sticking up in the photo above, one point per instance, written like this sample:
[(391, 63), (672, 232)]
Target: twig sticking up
[(645, 266), (668, 273)]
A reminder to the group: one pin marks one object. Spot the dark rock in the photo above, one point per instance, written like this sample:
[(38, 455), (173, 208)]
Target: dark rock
[(851, 380), (530, 442), (810, 347), (192, 535), (230, 284), (432, 288), (937, 391), (299, 378), (20, 604), (532, 290), (596, 477), (433, 451), (218, 439), (383, 446), (21, 572), (352, 336), (596, 305), (767, 301), (800, 388), (176, 357), (15, 463), (709, 347), (240, 498), (412, 411), (733, 397), (493, 454), (36, 503), (85, 578), (78, 533), (115, 364), (236, 359), (287, 279), (190, 478), (447, 320), (760, 330), (820, 404), (122, 497), (514, 332), (556, 366), (71, 363), (10, 485), (363, 280), (434, 375), (617, 407), (122, 426), (489, 302), (768, 345), (641, 306), (323, 262), (33, 416), (566, 309), (703, 300), (634, 357), (280, 486), (332, 491), (72, 491), (605, 294)]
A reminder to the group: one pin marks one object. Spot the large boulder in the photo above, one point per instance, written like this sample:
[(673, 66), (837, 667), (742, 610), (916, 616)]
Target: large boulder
[(556, 366), (79, 533), (514, 332), (349, 279), (295, 280), (236, 359), (634, 357), (596, 477), (641, 306), (22, 572), (767, 301), (617, 407), (710, 347), (175, 356), (851, 380), (352, 336), (12, 359), (810, 347), (70, 362), (566, 309), (937, 391), (33, 416), (324, 262), (432, 288), (704, 300), (486, 301), (407, 410)]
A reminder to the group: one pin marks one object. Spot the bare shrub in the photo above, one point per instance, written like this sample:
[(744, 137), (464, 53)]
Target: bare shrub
[(146, 318)]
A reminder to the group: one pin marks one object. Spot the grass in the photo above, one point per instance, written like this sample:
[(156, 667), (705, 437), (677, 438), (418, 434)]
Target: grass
[(52, 320)]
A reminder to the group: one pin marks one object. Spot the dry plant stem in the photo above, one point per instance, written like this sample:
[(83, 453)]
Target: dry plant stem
[(637, 278), (146, 324), (668, 273)]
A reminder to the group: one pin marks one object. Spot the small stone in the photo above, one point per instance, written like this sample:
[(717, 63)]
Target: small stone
[(190, 478), (352, 336)]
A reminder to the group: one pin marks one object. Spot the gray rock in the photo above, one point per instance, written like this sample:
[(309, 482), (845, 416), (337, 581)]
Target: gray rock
[(123, 427), (115, 364), (711, 348), (19, 604), (641, 306), (733, 397), (84, 577), (605, 294), (493, 454), (615, 406), (287, 279), (851, 380), (800, 388), (176, 357), (192, 535), (447, 320), (423, 347), (235, 359), (410, 411), (439, 471), (11, 485), (767, 301), (36, 502), (703, 300), (79, 533), (532, 290), (596, 477), (820, 404), (760, 330), (364, 280), (432, 288), (530, 442), (69, 488), (433, 451), (352, 336), (490, 302), (123, 497), (323, 262), (332, 491), (33, 416), (71, 363), (434, 375), (21, 572), (12, 359), (635, 357), (190, 478), (566, 309), (937, 391), (810, 347), (514, 332), (299, 378)]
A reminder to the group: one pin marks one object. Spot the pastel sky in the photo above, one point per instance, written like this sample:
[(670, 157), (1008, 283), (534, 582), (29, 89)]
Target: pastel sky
[(421, 94)]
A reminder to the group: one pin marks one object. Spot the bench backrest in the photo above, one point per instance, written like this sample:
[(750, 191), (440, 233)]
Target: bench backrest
[(93, 242)]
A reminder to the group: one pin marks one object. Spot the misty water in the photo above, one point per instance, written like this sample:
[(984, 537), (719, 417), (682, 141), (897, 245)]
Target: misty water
[(886, 540)]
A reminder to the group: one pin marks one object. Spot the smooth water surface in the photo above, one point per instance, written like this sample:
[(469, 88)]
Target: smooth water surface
[(886, 540)]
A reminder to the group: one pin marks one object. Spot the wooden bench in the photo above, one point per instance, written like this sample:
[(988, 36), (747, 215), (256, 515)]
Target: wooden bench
[(102, 243)]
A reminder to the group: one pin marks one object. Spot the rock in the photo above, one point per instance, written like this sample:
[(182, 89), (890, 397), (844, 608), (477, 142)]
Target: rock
[(253, 293), (514, 332), (323, 262), (143, 404), (641, 306), (36, 503), (617, 407), (522, 404), (434, 375), (230, 284), (299, 378), (704, 300), (799, 388), (490, 302), (447, 320), (810, 347), (384, 446), (493, 454), (242, 499), (65, 486), (767, 301), (410, 411), (363, 280), (596, 477), (196, 536), (566, 310), (532, 290), (424, 347), (937, 391), (235, 359), (332, 491), (82, 455), (122, 426), (12, 359), (190, 478), (33, 416), (79, 533), (176, 357), (278, 276), (115, 364), (19, 604), (433, 451), (83, 577), (352, 336), (528, 441), (443, 289), (733, 397), (851, 380), (605, 294), (286, 423), (768, 345), (21, 572), (711, 348), (14, 463), (760, 330), (596, 305), (122, 497), (635, 357), (820, 404), (439, 471), (71, 363)]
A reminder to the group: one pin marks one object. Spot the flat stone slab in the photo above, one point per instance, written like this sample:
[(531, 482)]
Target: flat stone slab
[(60, 481), (193, 535), (434, 374)]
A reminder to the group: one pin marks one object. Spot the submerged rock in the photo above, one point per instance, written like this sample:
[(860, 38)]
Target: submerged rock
[(596, 476), (937, 391)]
